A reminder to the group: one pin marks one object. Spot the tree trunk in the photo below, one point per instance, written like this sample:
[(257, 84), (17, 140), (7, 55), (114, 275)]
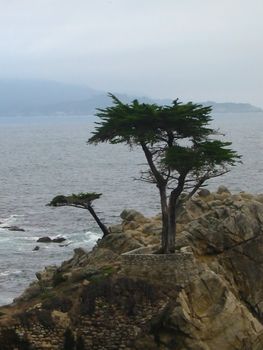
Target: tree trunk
[(102, 227), (169, 225), (172, 211), (168, 233), (165, 221), (172, 225)]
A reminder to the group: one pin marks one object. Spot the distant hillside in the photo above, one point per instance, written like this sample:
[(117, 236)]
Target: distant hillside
[(37, 97), (231, 107)]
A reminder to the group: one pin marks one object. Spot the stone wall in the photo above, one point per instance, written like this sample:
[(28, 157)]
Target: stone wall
[(108, 328), (39, 337), (181, 267)]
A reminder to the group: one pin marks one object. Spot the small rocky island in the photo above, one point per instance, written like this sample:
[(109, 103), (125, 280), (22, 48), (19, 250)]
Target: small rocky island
[(121, 295)]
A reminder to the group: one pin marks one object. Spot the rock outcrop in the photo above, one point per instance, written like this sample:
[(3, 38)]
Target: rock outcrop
[(47, 239), (206, 296)]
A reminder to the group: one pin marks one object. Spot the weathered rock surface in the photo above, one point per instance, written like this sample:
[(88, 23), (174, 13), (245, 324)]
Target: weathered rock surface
[(119, 243), (210, 316), (207, 296), (132, 215)]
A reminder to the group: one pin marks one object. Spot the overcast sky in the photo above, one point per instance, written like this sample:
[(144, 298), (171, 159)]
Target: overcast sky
[(192, 49)]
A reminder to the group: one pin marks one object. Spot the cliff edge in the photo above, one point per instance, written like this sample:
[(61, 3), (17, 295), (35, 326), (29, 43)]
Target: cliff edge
[(121, 295)]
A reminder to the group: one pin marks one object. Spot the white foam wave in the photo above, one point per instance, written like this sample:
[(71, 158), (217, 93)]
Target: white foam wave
[(10, 219), (10, 272), (57, 236), (31, 238), (5, 273), (91, 237)]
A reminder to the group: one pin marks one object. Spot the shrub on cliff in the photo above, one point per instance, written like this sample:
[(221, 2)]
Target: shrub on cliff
[(9, 339), (69, 340), (83, 201)]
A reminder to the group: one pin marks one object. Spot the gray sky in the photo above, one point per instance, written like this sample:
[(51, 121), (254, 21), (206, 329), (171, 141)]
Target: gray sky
[(191, 49)]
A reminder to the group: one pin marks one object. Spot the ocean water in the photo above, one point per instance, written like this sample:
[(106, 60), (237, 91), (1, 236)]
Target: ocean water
[(43, 156)]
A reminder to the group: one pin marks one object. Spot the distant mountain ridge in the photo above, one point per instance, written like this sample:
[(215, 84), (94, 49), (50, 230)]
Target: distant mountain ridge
[(232, 107), (47, 98)]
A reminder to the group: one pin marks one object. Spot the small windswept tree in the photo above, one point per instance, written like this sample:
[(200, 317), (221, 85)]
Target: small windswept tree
[(181, 150), (83, 201)]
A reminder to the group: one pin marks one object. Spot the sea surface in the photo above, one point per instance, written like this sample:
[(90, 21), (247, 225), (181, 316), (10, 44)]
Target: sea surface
[(41, 157)]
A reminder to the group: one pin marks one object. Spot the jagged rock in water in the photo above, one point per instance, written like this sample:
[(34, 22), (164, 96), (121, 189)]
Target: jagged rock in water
[(44, 240), (58, 240), (47, 239), (14, 228)]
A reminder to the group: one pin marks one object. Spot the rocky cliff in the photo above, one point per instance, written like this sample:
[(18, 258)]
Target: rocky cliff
[(206, 296)]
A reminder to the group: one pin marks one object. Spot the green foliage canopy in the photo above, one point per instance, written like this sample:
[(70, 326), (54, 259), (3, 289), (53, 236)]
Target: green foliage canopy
[(80, 199), (150, 123), (83, 201), (175, 139)]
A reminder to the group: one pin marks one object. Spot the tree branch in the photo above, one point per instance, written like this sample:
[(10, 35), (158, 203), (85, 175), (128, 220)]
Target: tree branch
[(159, 178)]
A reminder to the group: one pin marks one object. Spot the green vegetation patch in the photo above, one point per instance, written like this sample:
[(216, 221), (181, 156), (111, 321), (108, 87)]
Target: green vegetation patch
[(62, 304)]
